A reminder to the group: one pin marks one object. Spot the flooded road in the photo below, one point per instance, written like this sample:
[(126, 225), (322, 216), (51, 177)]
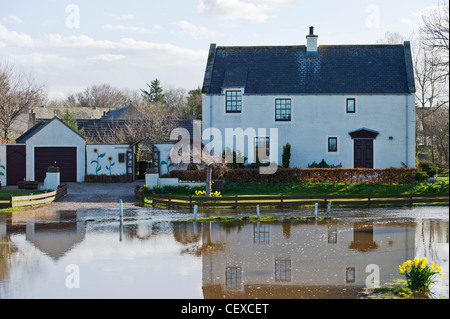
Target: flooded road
[(155, 254)]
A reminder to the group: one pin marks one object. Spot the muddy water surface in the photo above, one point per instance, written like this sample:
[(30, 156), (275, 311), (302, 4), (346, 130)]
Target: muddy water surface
[(154, 254)]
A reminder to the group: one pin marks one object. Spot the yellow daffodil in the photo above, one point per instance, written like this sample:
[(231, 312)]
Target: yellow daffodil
[(424, 260), (416, 261)]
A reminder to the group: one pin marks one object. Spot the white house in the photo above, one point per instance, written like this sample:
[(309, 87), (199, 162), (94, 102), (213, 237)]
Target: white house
[(347, 104)]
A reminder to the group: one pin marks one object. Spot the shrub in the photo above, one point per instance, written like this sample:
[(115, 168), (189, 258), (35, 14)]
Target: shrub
[(421, 176), (428, 167), (323, 164), (305, 175), (286, 157)]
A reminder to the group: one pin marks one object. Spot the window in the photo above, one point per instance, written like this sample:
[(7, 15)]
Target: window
[(282, 270), (261, 233), (350, 274), (332, 144), (233, 277), (233, 101), (351, 106), (259, 142), (282, 109)]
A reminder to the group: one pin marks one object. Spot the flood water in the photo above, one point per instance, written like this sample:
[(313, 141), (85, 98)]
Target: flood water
[(87, 254)]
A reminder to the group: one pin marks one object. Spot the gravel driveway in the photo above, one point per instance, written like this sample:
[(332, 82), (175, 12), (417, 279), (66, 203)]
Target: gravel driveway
[(95, 195)]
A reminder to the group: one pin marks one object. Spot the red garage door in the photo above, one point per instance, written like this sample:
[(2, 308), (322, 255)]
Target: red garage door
[(63, 157)]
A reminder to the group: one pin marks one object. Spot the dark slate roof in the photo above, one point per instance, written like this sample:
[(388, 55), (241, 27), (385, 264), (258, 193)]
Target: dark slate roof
[(336, 69), (115, 113)]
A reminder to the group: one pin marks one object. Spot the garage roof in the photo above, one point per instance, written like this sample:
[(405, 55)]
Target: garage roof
[(39, 126)]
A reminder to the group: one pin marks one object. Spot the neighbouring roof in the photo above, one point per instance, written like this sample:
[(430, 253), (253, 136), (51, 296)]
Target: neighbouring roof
[(98, 128), (336, 69)]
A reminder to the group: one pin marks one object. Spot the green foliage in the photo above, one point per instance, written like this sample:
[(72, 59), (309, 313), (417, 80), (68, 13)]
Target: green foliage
[(323, 164), (155, 93), (286, 157), (428, 167), (69, 119), (194, 102), (192, 166), (421, 176), (182, 189)]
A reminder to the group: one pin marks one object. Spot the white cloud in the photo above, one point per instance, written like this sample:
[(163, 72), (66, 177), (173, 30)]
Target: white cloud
[(252, 10), (11, 19), (128, 16), (78, 61), (107, 57), (127, 28), (193, 30), (233, 9), (14, 38)]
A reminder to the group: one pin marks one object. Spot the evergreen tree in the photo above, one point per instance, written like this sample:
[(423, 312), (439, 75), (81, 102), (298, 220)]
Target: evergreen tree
[(155, 93)]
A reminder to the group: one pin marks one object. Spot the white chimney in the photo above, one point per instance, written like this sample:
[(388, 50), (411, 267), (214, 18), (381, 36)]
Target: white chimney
[(311, 42)]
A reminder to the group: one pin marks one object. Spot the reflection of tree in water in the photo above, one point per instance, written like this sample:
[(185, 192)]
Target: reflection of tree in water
[(428, 234), (190, 235), (7, 250), (142, 232)]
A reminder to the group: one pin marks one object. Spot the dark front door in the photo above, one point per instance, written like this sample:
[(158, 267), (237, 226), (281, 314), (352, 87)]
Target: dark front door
[(15, 164), (63, 157), (363, 153)]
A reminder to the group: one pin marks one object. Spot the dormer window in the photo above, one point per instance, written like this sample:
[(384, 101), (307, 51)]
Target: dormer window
[(233, 101)]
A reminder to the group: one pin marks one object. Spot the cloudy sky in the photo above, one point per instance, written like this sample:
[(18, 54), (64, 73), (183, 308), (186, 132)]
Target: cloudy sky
[(69, 45)]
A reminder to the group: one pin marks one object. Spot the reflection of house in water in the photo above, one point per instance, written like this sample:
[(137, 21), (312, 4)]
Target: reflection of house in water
[(301, 260), (55, 232)]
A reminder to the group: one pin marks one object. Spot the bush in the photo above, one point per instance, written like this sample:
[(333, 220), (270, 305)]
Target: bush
[(428, 167), (421, 176), (323, 164), (286, 157), (305, 175)]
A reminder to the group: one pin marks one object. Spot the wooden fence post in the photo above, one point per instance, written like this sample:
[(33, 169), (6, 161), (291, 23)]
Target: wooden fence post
[(281, 201), (10, 201), (410, 199), (190, 202), (325, 199), (170, 199), (153, 197), (368, 199)]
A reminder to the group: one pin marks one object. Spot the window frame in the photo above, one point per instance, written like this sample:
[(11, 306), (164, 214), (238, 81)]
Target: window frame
[(256, 145), (354, 106), (329, 145), (231, 101), (290, 110)]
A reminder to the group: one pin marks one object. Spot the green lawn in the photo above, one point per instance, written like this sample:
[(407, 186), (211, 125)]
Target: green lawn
[(310, 189), (16, 192)]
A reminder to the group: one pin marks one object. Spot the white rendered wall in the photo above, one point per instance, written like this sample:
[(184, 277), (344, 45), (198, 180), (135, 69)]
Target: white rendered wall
[(56, 134), (110, 151), (314, 118), (3, 163)]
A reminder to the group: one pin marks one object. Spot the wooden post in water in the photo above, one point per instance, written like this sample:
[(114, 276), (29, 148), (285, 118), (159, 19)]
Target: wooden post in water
[(316, 208), (195, 211), (121, 211), (329, 208), (257, 211)]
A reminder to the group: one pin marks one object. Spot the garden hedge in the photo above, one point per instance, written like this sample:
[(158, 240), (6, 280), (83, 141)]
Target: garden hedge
[(301, 175)]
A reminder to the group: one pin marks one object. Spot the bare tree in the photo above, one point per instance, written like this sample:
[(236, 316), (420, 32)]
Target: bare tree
[(101, 96), (18, 93), (435, 37)]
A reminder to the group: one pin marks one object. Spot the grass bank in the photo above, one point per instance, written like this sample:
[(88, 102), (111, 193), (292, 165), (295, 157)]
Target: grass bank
[(293, 189)]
